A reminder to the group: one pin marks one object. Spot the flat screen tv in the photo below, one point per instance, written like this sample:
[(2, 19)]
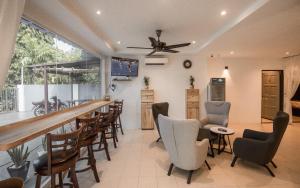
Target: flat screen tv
[(124, 67)]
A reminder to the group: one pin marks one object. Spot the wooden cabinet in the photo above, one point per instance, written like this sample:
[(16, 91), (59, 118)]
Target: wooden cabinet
[(147, 99), (192, 103)]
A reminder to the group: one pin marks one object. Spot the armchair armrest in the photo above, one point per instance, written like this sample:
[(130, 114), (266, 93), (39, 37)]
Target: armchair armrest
[(250, 149), (203, 122), (257, 135)]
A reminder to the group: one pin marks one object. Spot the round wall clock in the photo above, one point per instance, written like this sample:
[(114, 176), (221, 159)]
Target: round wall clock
[(187, 64)]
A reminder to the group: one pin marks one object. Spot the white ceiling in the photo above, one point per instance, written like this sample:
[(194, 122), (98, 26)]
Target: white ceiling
[(250, 28)]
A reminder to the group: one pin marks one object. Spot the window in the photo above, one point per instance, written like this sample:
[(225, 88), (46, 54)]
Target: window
[(47, 66)]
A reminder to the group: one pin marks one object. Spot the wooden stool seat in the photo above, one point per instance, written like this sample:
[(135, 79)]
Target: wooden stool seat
[(12, 183)]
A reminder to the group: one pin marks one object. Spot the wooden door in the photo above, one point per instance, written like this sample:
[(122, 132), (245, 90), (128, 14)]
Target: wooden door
[(270, 94)]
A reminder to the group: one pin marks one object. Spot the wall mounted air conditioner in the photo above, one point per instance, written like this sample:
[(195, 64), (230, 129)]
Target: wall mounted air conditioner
[(156, 60)]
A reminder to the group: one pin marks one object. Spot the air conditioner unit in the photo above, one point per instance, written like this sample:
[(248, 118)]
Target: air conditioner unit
[(156, 60)]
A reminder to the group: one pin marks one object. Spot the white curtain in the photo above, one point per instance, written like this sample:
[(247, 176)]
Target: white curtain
[(10, 15), (292, 81)]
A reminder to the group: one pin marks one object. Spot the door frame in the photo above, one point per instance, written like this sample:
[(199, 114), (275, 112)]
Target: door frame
[(281, 91)]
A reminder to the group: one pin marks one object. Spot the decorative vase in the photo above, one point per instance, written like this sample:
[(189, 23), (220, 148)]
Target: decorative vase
[(146, 87), (20, 171)]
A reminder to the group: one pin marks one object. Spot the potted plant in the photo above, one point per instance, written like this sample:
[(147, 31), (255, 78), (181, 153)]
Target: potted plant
[(20, 165), (192, 80), (146, 82)]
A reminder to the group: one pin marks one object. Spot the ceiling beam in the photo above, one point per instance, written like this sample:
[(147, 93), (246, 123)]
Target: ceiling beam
[(251, 9), (77, 11)]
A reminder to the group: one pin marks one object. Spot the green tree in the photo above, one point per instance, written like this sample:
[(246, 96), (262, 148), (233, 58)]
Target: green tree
[(36, 47)]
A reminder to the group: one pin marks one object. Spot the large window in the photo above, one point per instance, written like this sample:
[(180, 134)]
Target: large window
[(46, 67)]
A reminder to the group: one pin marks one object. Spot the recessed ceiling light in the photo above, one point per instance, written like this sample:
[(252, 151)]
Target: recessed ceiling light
[(223, 13), (98, 12), (118, 42), (193, 42), (287, 53), (231, 52)]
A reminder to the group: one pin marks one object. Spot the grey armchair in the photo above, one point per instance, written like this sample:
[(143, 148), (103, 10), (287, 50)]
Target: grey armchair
[(159, 108), (261, 147), (180, 140), (217, 114)]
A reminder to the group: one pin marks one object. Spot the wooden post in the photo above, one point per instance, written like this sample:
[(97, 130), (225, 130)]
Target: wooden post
[(147, 99), (192, 103)]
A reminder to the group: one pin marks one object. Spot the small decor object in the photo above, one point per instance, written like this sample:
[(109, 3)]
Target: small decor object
[(20, 165), (187, 64), (146, 82), (192, 80), (107, 97)]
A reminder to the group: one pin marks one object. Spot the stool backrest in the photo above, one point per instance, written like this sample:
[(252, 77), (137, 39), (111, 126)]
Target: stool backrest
[(62, 147), (120, 105), (89, 126)]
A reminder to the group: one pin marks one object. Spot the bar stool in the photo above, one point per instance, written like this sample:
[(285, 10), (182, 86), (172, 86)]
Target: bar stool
[(12, 183), (89, 126), (119, 123), (103, 125), (61, 156), (115, 110)]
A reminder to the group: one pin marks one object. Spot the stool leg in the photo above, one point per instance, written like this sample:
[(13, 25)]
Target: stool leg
[(38, 181), (121, 125), (93, 163), (114, 136), (103, 139), (115, 132), (60, 180), (53, 181), (74, 178)]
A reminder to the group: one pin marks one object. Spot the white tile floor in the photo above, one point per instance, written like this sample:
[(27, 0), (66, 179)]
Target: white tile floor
[(140, 162)]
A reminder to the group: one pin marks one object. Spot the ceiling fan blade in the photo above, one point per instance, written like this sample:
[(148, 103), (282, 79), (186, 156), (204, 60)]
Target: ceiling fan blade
[(151, 53), (177, 45), (139, 47), (170, 51), (153, 41)]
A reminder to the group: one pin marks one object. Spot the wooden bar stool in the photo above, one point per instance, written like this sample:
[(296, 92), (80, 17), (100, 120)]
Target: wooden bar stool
[(89, 126), (115, 110), (104, 124), (61, 156), (12, 183), (119, 122)]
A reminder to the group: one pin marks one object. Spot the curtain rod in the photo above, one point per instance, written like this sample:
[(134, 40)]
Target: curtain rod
[(291, 56)]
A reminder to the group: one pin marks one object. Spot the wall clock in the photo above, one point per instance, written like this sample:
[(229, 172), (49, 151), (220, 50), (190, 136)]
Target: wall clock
[(187, 64)]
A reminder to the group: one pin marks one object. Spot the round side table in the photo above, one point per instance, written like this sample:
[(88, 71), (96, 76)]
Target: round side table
[(222, 132)]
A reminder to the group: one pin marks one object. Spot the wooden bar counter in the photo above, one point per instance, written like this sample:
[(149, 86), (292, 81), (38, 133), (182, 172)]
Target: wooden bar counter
[(14, 134)]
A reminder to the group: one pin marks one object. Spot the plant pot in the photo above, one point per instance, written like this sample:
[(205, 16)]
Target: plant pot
[(20, 171)]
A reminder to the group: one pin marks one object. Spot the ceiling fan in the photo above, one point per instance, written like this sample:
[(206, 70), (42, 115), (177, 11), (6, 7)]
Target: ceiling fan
[(158, 46)]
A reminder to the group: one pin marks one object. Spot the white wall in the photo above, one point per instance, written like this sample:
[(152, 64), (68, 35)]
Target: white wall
[(243, 85), (169, 83)]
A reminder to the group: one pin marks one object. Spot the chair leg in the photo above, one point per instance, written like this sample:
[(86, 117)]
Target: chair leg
[(270, 171), (60, 177), (74, 178), (103, 139), (275, 166), (207, 165), (93, 163), (121, 125), (53, 181), (170, 169), (211, 149), (38, 181), (233, 161), (158, 139), (190, 176)]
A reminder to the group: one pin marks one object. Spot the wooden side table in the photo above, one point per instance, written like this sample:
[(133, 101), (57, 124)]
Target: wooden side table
[(222, 132)]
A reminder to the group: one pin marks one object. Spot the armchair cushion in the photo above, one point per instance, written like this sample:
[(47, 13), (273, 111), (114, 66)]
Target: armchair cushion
[(248, 133)]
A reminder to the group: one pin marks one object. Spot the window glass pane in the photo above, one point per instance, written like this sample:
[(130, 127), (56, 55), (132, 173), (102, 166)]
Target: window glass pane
[(45, 67)]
